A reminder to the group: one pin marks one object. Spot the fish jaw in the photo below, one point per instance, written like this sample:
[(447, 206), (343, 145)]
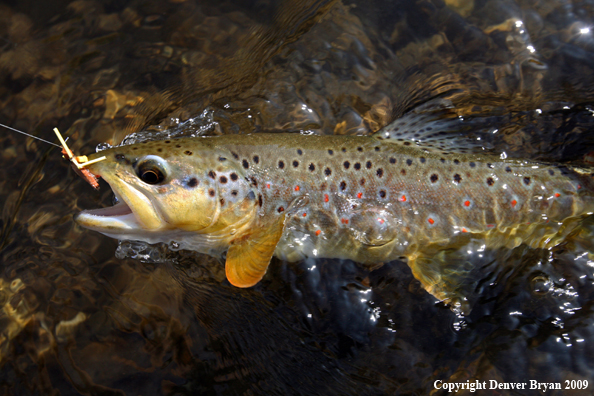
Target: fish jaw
[(134, 215)]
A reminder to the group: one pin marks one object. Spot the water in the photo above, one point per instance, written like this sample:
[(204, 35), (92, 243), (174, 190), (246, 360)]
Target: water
[(80, 316)]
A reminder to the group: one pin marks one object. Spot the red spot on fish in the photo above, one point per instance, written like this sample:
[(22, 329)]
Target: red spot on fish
[(490, 225), (431, 221), (267, 185), (514, 203), (381, 221), (466, 203), (557, 195), (360, 195), (579, 186), (403, 199), (318, 232), (297, 188), (344, 221), (304, 214), (464, 230), (326, 198)]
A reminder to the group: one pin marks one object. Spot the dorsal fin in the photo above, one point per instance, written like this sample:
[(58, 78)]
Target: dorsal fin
[(436, 127)]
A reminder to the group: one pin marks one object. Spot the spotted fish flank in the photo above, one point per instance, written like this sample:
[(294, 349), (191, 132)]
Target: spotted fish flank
[(369, 199)]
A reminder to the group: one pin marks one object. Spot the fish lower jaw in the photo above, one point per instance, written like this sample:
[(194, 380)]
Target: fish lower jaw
[(114, 220)]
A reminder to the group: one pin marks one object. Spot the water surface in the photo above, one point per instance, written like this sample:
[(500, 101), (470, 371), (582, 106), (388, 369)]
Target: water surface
[(81, 314)]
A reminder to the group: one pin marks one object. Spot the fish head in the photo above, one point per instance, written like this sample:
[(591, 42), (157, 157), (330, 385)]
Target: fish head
[(165, 188)]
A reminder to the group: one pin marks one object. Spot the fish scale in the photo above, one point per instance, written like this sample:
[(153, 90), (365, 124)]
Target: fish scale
[(369, 199), (510, 200)]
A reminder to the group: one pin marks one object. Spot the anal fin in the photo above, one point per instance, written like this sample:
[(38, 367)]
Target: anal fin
[(249, 256)]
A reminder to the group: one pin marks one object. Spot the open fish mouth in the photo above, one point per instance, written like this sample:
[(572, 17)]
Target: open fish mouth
[(135, 213), (113, 219)]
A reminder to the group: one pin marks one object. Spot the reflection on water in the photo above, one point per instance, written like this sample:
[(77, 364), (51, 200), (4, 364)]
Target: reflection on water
[(75, 318)]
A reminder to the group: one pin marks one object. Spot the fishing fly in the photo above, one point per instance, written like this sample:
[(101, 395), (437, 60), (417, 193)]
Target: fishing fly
[(78, 162)]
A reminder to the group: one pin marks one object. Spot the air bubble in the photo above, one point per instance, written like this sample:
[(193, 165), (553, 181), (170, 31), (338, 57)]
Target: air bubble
[(102, 146), (541, 285)]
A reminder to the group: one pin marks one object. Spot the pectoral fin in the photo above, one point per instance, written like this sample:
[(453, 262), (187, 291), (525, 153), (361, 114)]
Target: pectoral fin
[(249, 256)]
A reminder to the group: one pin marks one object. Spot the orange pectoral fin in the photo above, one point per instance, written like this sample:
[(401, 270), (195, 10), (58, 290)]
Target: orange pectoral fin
[(248, 258)]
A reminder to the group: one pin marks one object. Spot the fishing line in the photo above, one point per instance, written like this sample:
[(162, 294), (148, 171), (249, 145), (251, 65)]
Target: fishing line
[(34, 137)]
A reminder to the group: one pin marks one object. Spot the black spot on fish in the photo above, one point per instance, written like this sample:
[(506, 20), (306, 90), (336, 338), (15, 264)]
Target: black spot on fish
[(331, 152), (368, 164), (409, 162), (406, 143), (359, 148), (223, 179), (551, 172), (222, 159), (295, 164), (362, 181), (235, 155), (442, 160), (187, 152), (527, 181), (245, 164), (508, 169), (252, 180), (222, 201), (256, 159), (343, 150), (379, 172), (472, 164), (177, 145), (281, 164), (260, 200), (357, 166), (193, 182), (490, 165), (312, 167), (327, 171), (159, 150), (382, 194), (280, 209), (347, 164), (233, 176), (490, 181), (251, 196), (377, 148), (136, 148), (212, 174), (392, 160), (422, 159), (299, 151), (403, 171), (234, 193), (457, 178), (456, 162), (211, 192), (434, 178), (343, 185)]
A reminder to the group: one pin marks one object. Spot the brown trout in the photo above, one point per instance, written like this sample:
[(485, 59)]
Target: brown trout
[(369, 199)]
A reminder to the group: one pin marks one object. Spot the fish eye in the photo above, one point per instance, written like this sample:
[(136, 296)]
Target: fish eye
[(151, 171)]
